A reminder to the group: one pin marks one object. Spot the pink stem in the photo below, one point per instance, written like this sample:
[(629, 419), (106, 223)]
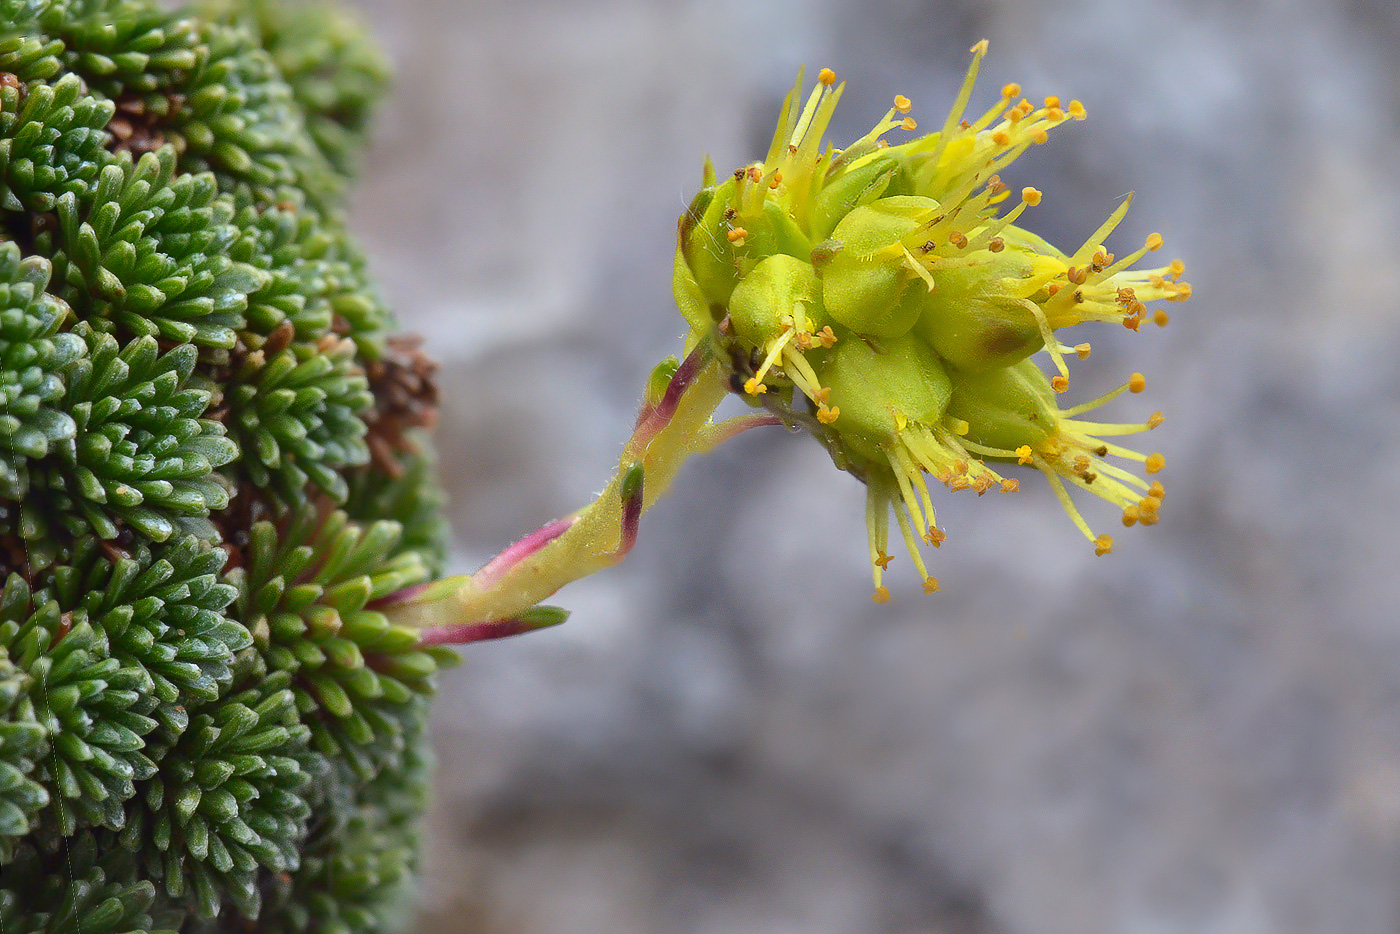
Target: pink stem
[(650, 423), (496, 568), (398, 597), (742, 423), (538, 617), (633, 498)]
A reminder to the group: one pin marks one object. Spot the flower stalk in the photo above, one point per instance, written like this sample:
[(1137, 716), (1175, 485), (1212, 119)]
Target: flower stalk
[(501, 598)]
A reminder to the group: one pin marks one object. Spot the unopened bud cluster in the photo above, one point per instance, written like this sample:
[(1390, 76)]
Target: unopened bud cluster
[(884, 296)]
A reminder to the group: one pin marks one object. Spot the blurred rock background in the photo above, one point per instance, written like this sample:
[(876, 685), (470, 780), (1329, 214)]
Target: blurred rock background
[(1198, 734)]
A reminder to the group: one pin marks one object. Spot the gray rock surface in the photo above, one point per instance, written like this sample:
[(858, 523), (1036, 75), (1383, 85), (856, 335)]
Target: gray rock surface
[(1200, 733)]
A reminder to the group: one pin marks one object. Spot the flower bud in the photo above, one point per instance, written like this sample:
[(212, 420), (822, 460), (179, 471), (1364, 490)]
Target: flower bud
[(1010, 414), (982, 315), (850, 190), (1005, 408), (704, 244), (880, 390), (725, 234), (871, 285), (780, 292)]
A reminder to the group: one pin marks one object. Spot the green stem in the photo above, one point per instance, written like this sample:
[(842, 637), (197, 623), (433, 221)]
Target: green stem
[(598, 536)]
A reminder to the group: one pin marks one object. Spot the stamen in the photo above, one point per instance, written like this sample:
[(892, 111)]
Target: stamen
[(959, 103)]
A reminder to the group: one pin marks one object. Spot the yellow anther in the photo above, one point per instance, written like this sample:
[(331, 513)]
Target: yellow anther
[(1052, 101), (1154, 242), (1078, 275), (1001, 138), (908, 123), (1157, 490), (1183, 292), (1160, 318), (1082, 351), (881, 594), (935, 537), (1059, 383), (996, 244), (823, 394), (957, 239), (1011, 90), (1030, 195), (1040, 137), (1175, 268), (1077, 111), (1010, 486), (930, 584), (827, 77), (902, 103), (737, 234), (1024, 454), (1137, 382), (828, 415), (1156, 419), (1103, 545), (1155, 463), (776, 180), (1130, 516), (883, 561), (826, 336), (753, 387), (1054, 113), (957, 426)]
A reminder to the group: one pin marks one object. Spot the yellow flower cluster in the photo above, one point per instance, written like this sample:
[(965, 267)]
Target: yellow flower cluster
[(884, 296)]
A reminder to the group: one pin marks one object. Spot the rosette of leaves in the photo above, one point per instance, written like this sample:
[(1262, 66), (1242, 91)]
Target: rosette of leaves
[(228, 802), (21, 738), (87, 886), (142, 458), (358, 862), (90, 706), (334, 74), (33, 356), (308, 595)]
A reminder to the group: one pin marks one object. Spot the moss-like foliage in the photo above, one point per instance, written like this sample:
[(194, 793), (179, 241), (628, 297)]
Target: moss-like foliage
[(212, 470)]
